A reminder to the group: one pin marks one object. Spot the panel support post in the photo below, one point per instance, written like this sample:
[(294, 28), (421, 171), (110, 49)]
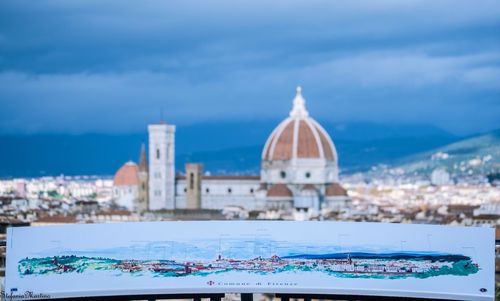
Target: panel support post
[(246, 297)]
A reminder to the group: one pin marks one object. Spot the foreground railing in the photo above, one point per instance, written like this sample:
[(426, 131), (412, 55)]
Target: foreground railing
[(287, 260)]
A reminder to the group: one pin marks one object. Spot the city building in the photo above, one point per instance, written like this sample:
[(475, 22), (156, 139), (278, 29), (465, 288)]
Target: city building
[(142, 200), (161, 166), (299, 170), (440, 176), (300, 163), (126, 186)]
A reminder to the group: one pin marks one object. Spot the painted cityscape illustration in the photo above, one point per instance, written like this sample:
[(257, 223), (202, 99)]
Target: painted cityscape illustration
[(175, 259)]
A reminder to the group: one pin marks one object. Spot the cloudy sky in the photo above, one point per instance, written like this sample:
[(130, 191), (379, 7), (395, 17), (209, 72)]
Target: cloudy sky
[(111, 66)]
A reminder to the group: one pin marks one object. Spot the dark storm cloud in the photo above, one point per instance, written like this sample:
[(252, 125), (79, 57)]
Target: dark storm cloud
[(76, 66)]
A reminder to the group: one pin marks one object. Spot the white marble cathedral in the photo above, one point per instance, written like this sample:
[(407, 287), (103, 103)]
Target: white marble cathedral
[(299, 170)]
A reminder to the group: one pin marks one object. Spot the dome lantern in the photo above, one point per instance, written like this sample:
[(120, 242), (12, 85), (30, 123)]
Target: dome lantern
[(299, 105)]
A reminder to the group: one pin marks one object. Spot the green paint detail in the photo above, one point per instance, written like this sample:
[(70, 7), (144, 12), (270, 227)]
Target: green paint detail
[(381, 268)]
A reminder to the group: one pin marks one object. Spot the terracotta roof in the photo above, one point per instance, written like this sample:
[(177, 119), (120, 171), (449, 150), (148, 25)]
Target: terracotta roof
[(114, 212), (299, 136), (267, 148), (487, 217), (279, 190), (127, 175), (334, 189), (459, 207), (307, 146), (283, 147), (57, 219)]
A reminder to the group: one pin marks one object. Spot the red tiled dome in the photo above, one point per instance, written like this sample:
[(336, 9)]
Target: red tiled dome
[(127, 175), (299, 136)]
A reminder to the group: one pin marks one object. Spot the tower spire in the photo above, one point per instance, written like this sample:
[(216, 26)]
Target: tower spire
[(143, 161), (299, 105)]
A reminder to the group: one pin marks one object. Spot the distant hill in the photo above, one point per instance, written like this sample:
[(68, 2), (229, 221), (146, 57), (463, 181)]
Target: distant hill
[(474, 155), (360, 145), (89, 154), (230, 147), (354, 155), (226, 135)]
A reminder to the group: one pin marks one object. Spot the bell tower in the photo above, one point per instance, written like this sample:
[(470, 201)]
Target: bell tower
[(161, 166)]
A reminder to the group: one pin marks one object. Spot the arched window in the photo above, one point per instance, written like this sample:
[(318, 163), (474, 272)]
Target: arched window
[(157, 153), (283, 174), (191, 180)]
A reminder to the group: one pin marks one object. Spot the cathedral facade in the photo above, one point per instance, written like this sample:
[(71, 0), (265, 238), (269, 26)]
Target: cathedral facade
[(299, 170)]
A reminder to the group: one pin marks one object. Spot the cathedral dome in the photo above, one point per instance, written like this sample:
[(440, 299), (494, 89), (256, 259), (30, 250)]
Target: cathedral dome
[(299, 137), (127, 175)]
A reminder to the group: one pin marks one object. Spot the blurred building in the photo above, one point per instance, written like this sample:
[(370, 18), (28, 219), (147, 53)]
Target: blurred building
[(300, 159), (142, 201), (299, 170), (193, 188), (126, 186), (161, 166), (440, 176)]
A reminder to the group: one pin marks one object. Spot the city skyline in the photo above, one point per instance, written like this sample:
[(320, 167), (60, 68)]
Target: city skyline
[(172, 148)]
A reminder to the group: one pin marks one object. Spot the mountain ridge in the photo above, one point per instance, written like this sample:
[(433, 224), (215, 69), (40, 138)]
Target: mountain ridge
[(102, 154), (479, 154)]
